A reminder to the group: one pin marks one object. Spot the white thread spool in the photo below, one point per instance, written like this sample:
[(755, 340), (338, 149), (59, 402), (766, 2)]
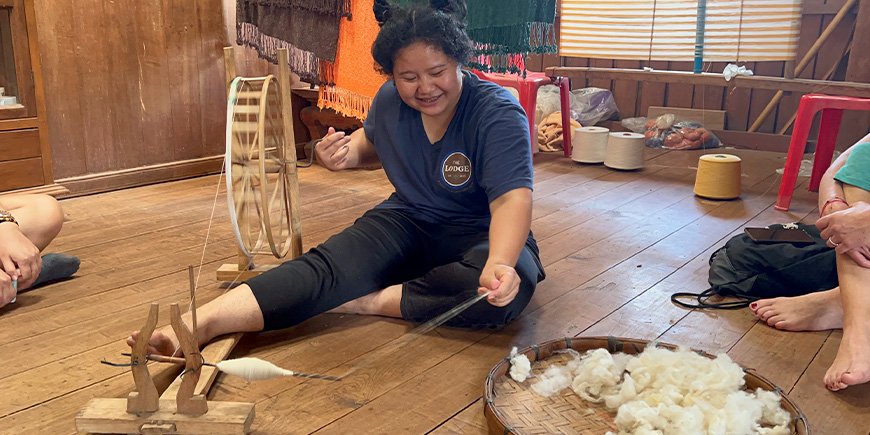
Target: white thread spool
[(624, 151), (589, 144)]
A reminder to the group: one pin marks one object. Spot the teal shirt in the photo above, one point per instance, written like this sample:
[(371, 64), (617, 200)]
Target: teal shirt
[(856, 171)]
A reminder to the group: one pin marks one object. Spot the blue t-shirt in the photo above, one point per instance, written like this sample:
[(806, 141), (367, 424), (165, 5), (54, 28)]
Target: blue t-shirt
[(856, 171), (484, 153)]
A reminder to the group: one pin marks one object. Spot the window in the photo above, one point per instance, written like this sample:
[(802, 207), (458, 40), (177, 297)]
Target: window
[(734, 30)]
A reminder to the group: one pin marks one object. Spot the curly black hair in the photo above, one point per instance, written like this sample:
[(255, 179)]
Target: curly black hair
[(441, 24)]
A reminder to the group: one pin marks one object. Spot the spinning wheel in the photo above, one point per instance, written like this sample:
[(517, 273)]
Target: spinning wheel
[(256, 167), (260, 165)]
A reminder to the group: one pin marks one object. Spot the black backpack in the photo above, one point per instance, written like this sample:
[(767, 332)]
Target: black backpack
[(748, 271)]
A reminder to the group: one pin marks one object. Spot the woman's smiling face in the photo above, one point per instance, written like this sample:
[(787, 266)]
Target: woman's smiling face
[(427, 79)]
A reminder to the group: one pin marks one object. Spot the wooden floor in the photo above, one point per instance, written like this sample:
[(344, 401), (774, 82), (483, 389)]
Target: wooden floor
[(615, 246)]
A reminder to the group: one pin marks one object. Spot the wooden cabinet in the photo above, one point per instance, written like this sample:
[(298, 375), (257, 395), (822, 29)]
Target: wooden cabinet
[(25, 156)]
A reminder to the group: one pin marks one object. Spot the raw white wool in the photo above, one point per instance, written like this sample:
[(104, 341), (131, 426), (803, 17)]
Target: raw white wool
[(554, 379), (775, 419), (575, 360), (596, 375), (667, 392), (521, 367)]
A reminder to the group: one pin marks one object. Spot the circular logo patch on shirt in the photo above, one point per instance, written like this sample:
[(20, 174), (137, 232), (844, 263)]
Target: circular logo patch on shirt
[(456, 169)]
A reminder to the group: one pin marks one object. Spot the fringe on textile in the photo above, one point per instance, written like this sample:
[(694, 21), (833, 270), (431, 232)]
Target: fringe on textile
[(506, 59), (535, 37), (344, 101), (542, 38), (499, 63), (303, 63), (339, 8)]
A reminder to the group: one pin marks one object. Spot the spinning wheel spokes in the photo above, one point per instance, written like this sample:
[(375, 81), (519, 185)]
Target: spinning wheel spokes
[(275, 197), (256, 167)]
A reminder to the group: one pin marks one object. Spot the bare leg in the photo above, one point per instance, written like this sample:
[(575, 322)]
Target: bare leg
[(234, 311), (811, 312), (852, 364), (386, 302), (39, 219), (39, 216)]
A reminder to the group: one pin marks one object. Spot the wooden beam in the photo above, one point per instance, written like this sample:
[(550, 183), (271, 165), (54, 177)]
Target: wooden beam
[(855, 124), (858, 69), (111, 416), (853, 89), (230, 272), (821, 7), (757, 141), (124, 178), (808, 57), (215, 351)]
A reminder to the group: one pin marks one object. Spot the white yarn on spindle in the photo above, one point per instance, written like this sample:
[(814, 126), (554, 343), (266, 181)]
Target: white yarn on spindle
[(624, 151), (252, 369), (589, 144)]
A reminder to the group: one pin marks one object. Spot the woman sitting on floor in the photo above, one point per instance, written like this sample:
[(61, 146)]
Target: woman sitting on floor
[(457, 151), (27, 224), (844, 205)]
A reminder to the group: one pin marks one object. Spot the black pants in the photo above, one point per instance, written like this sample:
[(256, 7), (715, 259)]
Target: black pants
[(439, 266)]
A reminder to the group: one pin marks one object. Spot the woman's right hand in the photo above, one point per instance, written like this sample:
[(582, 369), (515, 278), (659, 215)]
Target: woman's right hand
[(849, 232), (7, 292), (332, 151)]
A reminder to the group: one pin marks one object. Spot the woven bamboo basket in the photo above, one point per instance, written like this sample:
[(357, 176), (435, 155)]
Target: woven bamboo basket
[(513, 408)]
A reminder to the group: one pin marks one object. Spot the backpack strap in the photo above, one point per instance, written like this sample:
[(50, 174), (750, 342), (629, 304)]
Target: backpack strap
[(700, 300)]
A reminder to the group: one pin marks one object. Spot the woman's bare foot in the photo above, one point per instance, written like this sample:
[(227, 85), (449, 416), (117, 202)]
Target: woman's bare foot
[(162, 342), (811, 312), (852, 364), (235, 311)]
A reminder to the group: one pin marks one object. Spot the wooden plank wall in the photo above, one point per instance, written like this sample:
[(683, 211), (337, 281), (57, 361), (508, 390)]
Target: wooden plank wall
[(136, 84), (743, 105), (130, 83)]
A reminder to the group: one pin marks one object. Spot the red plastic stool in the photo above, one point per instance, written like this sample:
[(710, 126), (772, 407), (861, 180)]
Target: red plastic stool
[(528, 90), (832, 113)]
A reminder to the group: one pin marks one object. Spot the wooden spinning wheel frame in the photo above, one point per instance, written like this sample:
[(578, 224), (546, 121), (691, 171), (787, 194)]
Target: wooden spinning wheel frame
[(257, 180), (260, 166)]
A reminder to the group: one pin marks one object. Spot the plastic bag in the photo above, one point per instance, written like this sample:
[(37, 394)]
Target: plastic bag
[(588, 105), (548, 101), (636, 125), (665, 132)]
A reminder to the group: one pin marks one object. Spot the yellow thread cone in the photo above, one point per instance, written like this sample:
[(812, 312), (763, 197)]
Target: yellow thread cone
[(718, 176)]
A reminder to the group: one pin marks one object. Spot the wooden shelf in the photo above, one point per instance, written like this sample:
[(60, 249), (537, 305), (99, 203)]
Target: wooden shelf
[(852, 89)]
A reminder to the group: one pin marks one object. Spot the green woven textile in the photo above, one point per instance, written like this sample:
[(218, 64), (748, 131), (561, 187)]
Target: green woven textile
[(505, 31)]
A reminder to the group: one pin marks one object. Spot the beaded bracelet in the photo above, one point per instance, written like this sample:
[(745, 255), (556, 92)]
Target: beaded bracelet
[(5, 216), (829, 202)]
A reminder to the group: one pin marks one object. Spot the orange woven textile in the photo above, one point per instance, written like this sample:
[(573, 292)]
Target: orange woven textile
[(349, 84)]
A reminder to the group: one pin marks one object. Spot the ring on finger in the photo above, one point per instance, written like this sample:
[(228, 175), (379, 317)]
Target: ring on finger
[(832, 242)]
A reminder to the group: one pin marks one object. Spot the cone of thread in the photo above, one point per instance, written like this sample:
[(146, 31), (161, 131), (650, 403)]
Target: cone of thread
[(718, 176), (589, 144), (624, 151)]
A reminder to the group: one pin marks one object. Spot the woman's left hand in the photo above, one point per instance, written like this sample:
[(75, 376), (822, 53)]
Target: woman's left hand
[(501, 281)]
